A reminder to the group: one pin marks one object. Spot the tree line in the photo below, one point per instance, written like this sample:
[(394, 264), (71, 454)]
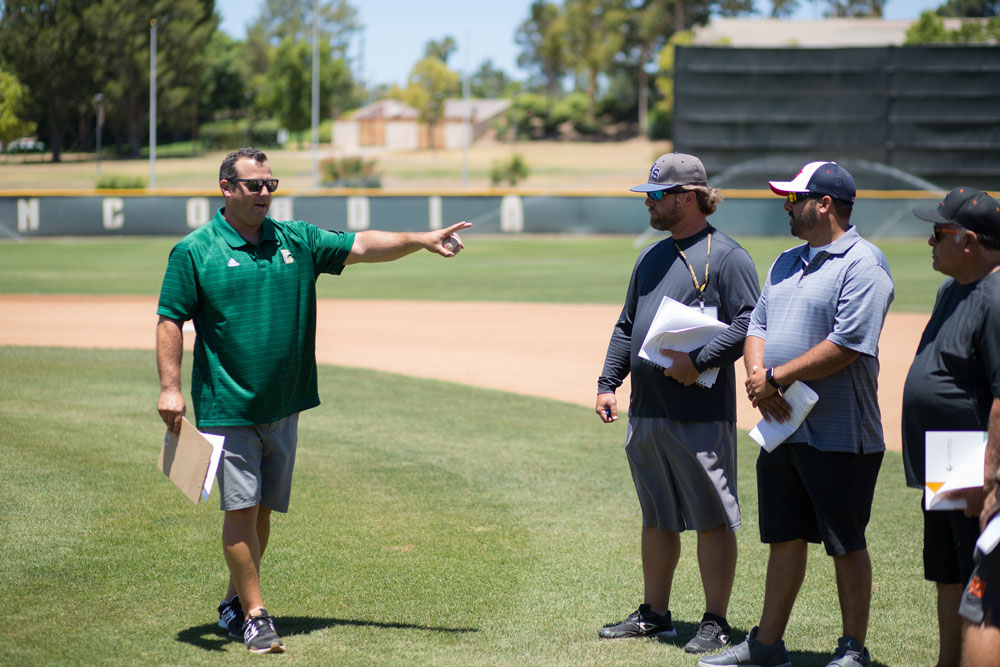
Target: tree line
[(57, 56), (591, 65)]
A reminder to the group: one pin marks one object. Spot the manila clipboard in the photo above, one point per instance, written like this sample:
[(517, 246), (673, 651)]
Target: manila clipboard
[(185, 459)]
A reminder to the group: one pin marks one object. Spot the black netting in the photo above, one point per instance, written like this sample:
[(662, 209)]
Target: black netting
[(929, 111)]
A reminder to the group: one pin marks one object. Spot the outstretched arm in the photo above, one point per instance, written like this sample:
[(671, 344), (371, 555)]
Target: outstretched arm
[(378, 246)]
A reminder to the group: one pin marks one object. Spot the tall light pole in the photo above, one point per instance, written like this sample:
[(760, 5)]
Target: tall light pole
[(315, 95), (152, 104), (100, 124), (466, 117)]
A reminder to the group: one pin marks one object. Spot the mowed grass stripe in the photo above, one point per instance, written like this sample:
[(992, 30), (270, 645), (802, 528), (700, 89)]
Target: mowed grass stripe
[(430, 524), (544, 269)]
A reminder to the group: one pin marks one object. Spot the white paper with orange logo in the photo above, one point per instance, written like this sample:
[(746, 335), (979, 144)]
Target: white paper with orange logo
[(954, 460)]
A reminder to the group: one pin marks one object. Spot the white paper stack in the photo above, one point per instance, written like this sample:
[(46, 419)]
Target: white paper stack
[(681, 328)]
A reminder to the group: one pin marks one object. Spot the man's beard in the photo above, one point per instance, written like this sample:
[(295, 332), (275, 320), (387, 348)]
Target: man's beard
[(807, 219), (664, 221)]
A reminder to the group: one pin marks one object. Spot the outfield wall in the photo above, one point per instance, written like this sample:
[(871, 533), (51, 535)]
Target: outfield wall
[(43, 214)]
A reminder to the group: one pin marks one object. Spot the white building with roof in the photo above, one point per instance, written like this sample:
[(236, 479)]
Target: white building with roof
[(394, 125)]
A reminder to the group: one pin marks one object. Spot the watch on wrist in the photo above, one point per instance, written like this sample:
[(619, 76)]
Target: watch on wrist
[(769, 376)]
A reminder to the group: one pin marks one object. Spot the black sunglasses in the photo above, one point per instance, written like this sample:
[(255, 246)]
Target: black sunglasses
[(657, 195), (940, 232), (255, 184)]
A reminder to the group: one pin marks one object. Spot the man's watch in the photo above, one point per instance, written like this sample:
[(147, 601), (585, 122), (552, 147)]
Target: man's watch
[(769, 376)]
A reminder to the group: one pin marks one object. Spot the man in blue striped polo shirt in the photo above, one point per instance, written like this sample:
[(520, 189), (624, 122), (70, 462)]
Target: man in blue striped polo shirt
[(818, 320)]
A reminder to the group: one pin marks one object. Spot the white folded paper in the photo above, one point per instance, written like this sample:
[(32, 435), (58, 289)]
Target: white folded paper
[(681, 328), (218, 443), (991, 536), (770, 434), (953, 460)]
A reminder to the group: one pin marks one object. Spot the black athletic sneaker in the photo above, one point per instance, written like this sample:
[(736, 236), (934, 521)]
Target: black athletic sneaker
[(231, 617), (259, 634), (711, 635), (643, 622)]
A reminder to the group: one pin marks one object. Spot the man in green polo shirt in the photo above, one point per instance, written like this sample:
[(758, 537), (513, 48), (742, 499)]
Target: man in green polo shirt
[(249, 284)]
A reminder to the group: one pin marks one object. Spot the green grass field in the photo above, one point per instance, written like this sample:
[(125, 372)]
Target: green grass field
[(540, 269), (430, 523)]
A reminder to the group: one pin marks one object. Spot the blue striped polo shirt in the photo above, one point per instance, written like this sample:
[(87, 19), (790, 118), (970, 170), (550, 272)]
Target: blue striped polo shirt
[(842, 296)]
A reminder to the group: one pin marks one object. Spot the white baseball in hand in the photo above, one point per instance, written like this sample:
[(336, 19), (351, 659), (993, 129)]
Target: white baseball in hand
[(452, 243)]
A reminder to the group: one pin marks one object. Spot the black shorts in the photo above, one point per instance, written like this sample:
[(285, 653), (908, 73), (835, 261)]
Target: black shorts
[(949, 540), (806, 494), (981, 599)]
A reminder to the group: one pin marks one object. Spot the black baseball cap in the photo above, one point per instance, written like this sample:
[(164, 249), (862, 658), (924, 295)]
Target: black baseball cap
[(971, 208)]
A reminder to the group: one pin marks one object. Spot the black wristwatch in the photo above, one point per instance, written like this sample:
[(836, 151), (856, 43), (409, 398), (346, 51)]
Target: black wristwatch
[(770, 378)]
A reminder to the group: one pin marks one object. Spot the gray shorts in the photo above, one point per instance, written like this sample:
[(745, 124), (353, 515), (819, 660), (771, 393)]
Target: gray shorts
[(684, 473), (256, 465)]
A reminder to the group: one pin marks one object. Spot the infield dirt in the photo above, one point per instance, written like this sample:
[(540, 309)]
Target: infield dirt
[(552, 351)]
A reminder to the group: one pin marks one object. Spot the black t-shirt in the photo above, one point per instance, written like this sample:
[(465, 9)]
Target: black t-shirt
[(661, 271), (956, 371)]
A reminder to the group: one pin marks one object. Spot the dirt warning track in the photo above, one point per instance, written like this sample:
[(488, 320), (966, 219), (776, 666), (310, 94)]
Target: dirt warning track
[(546, 350)]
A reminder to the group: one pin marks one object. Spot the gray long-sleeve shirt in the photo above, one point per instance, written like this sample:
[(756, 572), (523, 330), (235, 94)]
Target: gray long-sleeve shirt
[(661, 271)]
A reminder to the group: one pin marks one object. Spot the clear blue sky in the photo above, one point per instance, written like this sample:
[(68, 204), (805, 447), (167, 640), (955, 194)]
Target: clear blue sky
[(395, 31)]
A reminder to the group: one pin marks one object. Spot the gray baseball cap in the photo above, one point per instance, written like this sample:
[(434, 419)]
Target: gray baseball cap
[(671, 170)]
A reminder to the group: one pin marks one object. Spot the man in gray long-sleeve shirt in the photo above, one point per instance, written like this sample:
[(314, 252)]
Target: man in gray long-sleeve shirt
[(681, 436)]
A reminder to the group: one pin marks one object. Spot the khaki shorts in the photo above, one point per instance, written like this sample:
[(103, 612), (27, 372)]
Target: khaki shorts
[(256, 465), (684, 473)]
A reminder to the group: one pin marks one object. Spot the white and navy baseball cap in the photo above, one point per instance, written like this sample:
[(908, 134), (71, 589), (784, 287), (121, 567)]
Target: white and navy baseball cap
[(671, 170), (819, 178)]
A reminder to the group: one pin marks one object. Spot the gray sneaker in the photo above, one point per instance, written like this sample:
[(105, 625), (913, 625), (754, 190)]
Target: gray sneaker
[(750, 653), (259, 634), (710, 636), (850, 653), (643, 622)]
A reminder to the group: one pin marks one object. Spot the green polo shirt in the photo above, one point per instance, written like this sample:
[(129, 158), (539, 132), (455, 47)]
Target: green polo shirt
[(254, 311)]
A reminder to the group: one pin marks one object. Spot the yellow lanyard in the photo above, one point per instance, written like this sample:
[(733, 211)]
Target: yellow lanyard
[(697, 286)]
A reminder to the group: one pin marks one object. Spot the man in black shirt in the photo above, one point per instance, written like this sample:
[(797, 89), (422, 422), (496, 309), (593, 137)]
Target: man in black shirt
[(681, 438), (954, 385)]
